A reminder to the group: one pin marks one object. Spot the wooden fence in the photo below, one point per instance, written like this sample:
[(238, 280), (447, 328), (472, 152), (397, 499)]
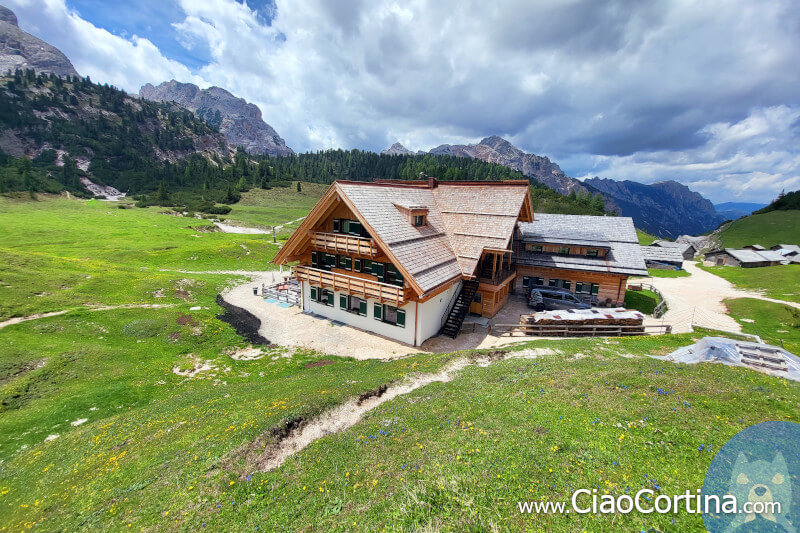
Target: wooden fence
[(566, 330)]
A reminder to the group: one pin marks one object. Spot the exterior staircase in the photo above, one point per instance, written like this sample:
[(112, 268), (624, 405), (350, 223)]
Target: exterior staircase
[(452, 325)]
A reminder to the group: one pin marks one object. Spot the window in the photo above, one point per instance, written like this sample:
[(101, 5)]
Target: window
[(533, 247), (390, 315), (366, 266), (351, 304), (323, 260), (337, 225), (326, 297), (392, 275), (591, 252), (344, 262), (419, 220), (323, 296), (526, 282), (529, 282), (587, 288), (563, 250), (565, 284), (478, 298), (314, 259), (553, 282)]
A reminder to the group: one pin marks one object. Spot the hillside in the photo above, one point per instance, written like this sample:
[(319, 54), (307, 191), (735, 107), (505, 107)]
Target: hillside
[(783, 202), (734, 210), (766, 229), (239, 121)]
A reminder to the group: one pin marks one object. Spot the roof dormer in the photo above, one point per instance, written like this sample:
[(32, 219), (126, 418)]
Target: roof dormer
[(416, 215)]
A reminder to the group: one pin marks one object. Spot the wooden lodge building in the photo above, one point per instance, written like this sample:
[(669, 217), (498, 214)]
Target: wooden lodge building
[(409, 259)]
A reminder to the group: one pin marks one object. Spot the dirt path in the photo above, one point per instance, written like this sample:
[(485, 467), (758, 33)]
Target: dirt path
[(17, 320), (698, 299), (351, 412)]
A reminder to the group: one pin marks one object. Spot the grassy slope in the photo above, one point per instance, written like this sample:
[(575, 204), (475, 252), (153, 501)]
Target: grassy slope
[(645, 238), (160, 451), (644, 301), (779, 282), (661, 273), (775, 323), (266, 208), (769, 229), (58, 254)]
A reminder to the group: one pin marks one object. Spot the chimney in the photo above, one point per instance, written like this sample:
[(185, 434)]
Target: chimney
[(432, 183)]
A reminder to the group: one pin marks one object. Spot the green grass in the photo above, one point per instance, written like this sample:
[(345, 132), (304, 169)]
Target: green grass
[(775, 323), (160, 451), (661, 273), (645, 239), (768, 229), (58, 254), (644, 301), (780, 282), (276, 206)]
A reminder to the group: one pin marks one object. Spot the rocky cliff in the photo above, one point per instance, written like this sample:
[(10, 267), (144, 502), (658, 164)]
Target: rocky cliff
[(21, 50), (495, 149), (666, 209), (239, 121)]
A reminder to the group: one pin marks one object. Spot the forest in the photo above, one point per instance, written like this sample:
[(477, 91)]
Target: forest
[(162, 154)]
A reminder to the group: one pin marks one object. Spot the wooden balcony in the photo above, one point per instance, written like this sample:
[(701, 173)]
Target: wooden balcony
[(365, 288), (344, 244)]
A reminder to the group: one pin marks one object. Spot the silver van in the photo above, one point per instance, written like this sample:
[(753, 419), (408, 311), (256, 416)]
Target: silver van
[(552, 299)]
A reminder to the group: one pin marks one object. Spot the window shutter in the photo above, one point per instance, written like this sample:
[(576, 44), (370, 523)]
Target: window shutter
[(377, 270), (343, 301), (526, 282), (401, 318), (362, 308), (348, 263), (314, 261), (314, 294), (595, 288), (377, 310), (357, 264)]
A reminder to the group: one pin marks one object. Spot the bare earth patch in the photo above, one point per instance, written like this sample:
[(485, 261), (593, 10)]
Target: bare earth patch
[(246, 354)]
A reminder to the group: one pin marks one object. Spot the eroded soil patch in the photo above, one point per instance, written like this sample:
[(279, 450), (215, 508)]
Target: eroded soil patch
[(245, 323)]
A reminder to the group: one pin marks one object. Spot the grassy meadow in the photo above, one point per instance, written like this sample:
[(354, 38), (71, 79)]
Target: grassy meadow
[(775, 323), (144, 418), (645, 239), (767, 229), (269, 207), (781, 282)]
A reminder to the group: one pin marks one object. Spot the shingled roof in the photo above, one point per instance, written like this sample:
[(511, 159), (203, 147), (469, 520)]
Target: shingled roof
[(666, 254), (615, 233), (463, 219)]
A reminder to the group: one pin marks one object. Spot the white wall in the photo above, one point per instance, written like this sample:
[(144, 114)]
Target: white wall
[(431, 312), (427, 316)]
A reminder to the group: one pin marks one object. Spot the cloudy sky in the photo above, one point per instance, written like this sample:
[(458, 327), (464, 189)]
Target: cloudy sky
[(707, 93)]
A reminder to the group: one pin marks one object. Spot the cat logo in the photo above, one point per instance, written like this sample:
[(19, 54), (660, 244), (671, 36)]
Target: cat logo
[(761, 488)]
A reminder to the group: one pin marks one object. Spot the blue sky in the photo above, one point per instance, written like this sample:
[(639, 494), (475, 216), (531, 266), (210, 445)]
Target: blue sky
[(704, 93)]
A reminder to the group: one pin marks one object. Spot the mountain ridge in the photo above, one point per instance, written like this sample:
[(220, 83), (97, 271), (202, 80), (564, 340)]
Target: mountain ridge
[(239, 121)]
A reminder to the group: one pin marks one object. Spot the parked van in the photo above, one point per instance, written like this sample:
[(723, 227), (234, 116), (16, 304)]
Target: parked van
[(552, 299)]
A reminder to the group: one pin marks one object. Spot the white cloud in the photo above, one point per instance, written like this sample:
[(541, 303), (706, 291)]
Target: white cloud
[(127, 63), (700, 92)]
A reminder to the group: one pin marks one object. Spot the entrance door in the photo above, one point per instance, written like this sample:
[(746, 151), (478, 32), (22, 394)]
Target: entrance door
[(476, 306)]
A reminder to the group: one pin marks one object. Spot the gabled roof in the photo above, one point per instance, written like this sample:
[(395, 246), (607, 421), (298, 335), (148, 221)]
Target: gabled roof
[(682, 246), (463, 219), (787, 249), (616, 233), (667, 254), (751, 256)]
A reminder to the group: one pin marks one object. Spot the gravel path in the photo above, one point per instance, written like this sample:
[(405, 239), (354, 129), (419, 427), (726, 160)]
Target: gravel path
[(698, 299), (292, 328)]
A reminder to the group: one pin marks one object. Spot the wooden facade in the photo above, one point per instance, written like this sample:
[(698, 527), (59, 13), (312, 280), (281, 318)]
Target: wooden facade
[(611, 286)]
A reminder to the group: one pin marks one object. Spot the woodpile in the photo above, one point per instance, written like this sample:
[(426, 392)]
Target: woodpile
[(584, 322)]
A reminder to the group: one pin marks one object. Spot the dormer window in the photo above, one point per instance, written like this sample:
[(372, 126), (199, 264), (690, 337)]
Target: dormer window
[(416, 215), (419, 220)]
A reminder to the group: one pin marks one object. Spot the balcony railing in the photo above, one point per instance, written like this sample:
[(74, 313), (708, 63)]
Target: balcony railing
[(344, 244), (498, 277), (352, 285)]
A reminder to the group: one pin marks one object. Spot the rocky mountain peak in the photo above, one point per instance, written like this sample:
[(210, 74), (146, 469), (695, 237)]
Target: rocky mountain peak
[(238, 120), (8, 16), (21, 50), (397, 149)]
